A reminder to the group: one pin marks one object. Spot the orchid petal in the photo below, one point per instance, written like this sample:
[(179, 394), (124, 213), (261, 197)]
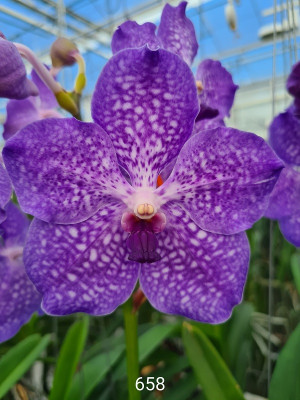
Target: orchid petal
[(13, 81), (18, 297), (63, 170), (177, 32), (285, 137), (81, 267), (218, 87), (201, 275), (132, 35), (19, 113), (147, 102), (5, 191), (293, 81), (207, 123), (14, 229), (290, 228), (223, 177), (285, 198)]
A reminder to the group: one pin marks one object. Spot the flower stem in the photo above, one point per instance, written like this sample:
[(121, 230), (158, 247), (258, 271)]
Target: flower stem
[(41, 70), (132, 351)]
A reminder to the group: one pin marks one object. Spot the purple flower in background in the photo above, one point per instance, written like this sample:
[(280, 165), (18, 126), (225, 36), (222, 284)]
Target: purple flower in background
[(216, 92), (285, 205), (13, 80), (284, 135), (5, 192), (97, 234), (22, 112), (176, 33), (18, 297)]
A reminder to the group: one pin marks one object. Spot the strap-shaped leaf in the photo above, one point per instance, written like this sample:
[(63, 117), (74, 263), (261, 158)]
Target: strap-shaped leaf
[(285, 383), (92, 372), (19, 359), (68, 359), (210, 369)]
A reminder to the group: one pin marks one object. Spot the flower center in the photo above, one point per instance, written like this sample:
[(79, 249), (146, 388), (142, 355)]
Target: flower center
[(199, 86), (145, 211)]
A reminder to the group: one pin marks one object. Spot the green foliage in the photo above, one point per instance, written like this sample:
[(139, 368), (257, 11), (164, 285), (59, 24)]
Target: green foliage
[(285, 383), (19, 359), (68, 359), (295, 264), (209, 367), (92, 373)]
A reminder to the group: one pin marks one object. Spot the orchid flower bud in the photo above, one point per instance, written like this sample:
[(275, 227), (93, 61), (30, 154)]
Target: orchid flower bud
[(66, 102), (62, 52)]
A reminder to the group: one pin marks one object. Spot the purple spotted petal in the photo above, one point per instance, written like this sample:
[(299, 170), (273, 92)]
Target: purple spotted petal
[(19, 113), (147, 102), (18, 297), (14, 229), (131, 35), (290, 228), (207, 123), (5, 192), (47, 98), (218, 87), (13, 81), (177, 33), (81, 267), (285, 198), (293, 81), (285, 137), (223, 177), (63, 170), (201, 275)]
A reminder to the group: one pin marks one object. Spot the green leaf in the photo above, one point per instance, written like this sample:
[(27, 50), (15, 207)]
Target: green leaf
[(285, 383), (92, 372), (183, 389), (209, 367), (295, 264), (239, 330), (19, 359), (68, 359)]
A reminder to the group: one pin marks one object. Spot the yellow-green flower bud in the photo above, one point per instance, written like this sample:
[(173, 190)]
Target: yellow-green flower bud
[(62, 52), (66, 102), (80, 83)]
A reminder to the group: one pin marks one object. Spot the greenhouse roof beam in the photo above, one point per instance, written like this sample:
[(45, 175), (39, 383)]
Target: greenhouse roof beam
[(72, 14), (52, 18)]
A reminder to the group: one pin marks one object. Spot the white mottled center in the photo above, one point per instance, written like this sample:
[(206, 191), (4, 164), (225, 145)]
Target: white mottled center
[(144, 203)]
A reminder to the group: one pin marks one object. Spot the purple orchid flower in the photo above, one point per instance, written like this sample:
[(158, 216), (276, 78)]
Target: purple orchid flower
[(176, 33), (216, 92), (18, 297), (95, 234), (284, 134), (5, 192), (23, 112), (13, 80)]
